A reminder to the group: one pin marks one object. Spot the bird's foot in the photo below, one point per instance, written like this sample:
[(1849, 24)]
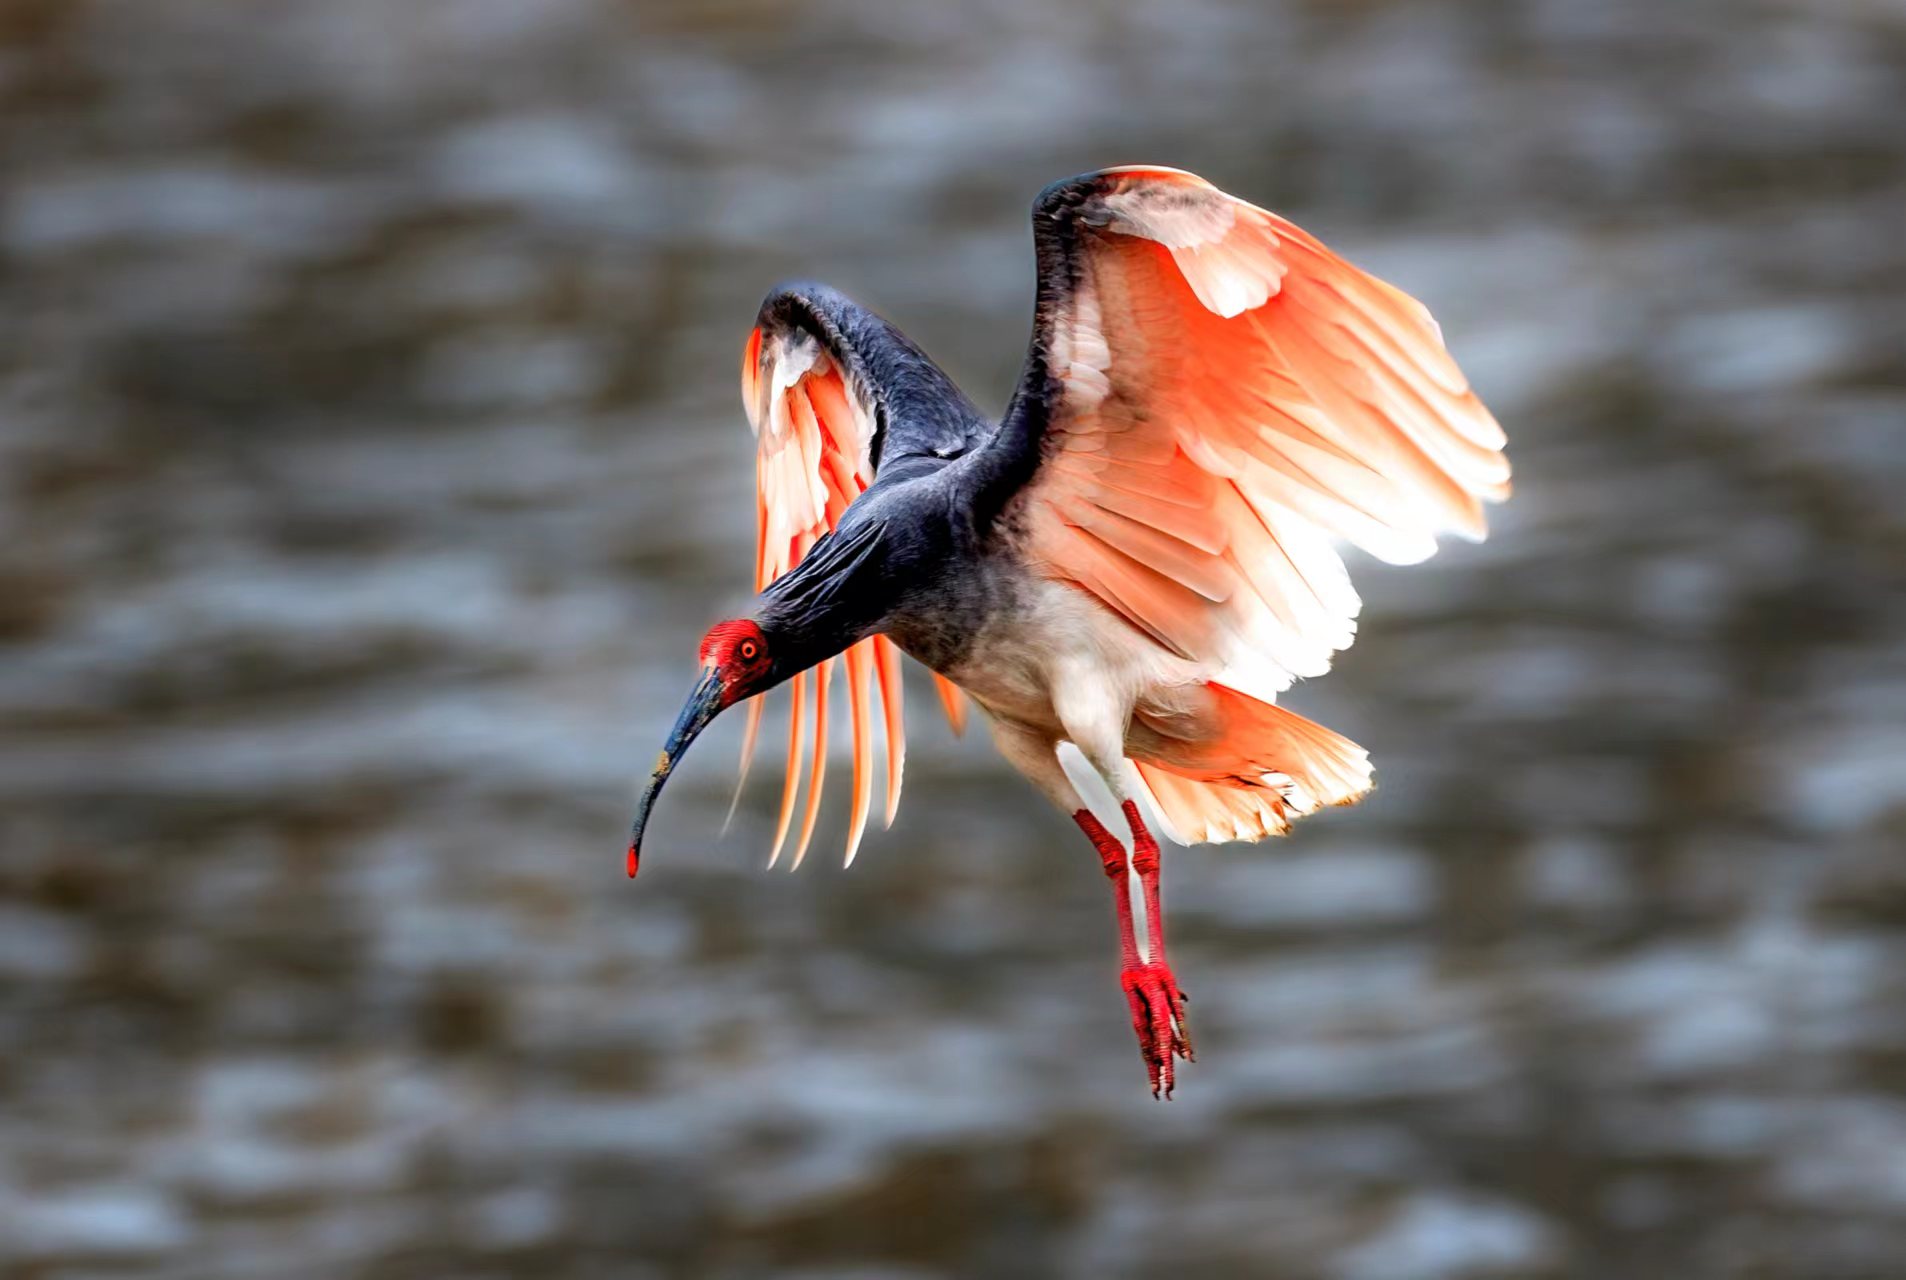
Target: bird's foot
[(1158, 1016)]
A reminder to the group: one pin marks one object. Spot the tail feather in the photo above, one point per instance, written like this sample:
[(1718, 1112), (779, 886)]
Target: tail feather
[(1262, 770)]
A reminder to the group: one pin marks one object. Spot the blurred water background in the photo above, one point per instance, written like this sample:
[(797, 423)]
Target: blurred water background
[(371, 459)]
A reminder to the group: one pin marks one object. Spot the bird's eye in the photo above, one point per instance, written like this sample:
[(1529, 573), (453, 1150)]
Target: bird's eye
[(748, 650)]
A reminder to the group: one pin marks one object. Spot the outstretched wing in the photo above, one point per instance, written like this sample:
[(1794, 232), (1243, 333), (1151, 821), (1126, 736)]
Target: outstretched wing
[(817, 374), (1213, 398)]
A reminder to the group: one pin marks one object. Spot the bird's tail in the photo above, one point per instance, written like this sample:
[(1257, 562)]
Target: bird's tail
[(1260, 770)]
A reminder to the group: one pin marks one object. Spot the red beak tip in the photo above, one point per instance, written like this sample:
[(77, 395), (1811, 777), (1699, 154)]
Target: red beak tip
[(635, 862)]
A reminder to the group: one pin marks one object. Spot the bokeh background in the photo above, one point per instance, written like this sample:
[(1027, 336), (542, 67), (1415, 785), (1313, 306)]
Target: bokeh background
[(372, 459)]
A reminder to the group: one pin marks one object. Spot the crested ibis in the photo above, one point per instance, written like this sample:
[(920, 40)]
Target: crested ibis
[(1137, 558)]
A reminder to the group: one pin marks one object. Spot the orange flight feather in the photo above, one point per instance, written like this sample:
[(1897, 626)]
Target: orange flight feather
[(817, 764), (953, 699), (793, 778), (749, 736), (887, 664), (810, 465), (859, 697)]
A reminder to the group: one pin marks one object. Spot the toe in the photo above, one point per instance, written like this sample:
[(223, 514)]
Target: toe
[(1142, 1029), (1181, 1043), (1162, 1036)]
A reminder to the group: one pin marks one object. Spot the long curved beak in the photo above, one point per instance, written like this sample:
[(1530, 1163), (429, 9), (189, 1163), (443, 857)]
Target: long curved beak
[(704, 703)]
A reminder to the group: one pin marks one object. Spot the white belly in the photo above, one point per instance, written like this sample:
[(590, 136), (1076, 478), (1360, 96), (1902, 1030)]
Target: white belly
[(1060, 651)]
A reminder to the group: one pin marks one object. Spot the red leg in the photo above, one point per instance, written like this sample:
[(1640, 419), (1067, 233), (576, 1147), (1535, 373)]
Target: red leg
[(1164, 996), (1157, 1004)]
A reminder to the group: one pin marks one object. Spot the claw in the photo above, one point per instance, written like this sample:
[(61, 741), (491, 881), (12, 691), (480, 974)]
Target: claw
[(1159, 1022)]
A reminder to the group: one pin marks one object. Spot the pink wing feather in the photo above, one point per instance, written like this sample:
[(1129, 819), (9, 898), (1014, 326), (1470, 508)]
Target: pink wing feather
[(1234, 398), (813, 434)]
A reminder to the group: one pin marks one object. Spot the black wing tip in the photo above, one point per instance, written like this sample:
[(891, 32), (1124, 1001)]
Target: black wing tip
[(817, 309), (1067, 194), (786, 299)]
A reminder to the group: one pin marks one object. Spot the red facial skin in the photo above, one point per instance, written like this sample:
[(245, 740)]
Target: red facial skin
[(738, 651)]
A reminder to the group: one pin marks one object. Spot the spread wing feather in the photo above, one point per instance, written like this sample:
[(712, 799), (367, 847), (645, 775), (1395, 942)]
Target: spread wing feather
[(818, 423), (1213, 400)]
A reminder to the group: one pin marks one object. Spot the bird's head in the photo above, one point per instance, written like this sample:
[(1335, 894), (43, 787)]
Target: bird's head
[(738, 661), (737, 654)]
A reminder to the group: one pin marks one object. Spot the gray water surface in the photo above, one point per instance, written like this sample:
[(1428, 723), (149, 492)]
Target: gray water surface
[(371, 459)]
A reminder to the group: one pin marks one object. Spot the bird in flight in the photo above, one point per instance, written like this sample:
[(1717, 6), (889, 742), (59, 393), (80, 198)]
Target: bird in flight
[(1137, 559)]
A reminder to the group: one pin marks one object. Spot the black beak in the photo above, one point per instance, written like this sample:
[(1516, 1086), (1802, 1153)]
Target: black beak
[(703, 705)]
